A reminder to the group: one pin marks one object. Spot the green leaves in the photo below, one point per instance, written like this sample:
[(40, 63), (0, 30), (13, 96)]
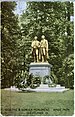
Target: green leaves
[(49, 18), (9, 35), (53, 20)]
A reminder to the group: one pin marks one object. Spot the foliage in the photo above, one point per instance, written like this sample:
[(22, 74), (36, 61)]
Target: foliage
[(53, 20), (9, 35), (49, 18), (47, 80), (35, 82), (69, 71), (21, 80), (54, 78), (25, 80)]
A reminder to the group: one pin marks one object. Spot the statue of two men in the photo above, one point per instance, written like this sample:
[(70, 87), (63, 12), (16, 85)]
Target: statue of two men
[(40, 49)]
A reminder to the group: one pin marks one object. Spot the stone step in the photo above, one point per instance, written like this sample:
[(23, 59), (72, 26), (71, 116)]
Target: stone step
[(42, 88), (48, 90)]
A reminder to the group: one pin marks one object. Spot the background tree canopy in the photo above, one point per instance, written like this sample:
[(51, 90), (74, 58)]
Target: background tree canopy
[(9, 35), (49, 18)]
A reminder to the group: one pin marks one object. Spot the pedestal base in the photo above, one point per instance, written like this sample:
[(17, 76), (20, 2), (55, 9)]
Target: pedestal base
[(45, 88), (42, 88)]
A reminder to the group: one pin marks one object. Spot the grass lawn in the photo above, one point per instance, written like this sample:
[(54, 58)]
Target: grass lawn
[(37, 104)]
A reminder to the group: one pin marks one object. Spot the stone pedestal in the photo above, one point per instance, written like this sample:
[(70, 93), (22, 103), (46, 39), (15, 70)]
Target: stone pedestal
[(43, 69), (40, 69)]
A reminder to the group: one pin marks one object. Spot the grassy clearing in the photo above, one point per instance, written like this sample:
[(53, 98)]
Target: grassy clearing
[(37, 104)]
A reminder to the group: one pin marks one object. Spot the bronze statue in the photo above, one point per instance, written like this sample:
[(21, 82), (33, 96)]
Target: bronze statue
[(35, 49), (44, 49), (40, 49)]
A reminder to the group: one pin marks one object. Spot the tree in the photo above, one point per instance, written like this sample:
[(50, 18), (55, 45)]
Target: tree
[(9, 35), (53, 20)]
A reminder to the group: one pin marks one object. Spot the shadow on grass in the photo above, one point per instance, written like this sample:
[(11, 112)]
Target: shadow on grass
[(25, 91)]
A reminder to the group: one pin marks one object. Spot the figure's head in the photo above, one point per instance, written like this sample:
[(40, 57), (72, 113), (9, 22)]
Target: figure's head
[(43, 37), (35, 37)]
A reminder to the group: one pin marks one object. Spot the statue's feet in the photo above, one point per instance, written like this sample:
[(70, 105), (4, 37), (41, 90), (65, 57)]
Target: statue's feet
[(42, 61), (38, 61)]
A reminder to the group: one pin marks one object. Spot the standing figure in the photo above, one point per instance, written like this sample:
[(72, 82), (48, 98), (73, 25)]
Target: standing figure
[(44, 49), (35, 49)]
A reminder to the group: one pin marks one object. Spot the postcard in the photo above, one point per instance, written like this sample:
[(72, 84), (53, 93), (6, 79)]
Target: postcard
[(37, 58)]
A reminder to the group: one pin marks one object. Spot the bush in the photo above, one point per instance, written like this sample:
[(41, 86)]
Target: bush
[(21, 79), (35, 82), (46, 79), (67, 71), (54, 78), (24, 80)]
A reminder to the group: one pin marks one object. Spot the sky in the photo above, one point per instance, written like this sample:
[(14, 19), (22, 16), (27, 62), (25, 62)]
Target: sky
[(21, 5)]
